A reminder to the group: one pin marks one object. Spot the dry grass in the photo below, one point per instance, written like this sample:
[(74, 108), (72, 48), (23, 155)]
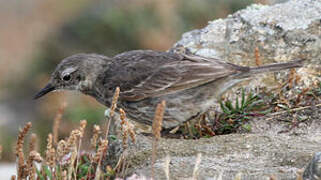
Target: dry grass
[(126, 129), (34, 156), (64, 160), (157, 127), (57, 120), (96, 134), (50, 153), (22, 172), (0, 151), (258, 60), (33, 143)]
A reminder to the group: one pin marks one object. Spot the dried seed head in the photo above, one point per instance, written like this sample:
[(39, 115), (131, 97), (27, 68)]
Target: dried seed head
[(64, 175), (0, 151), (83, 124), (132, 133), (33, 156), (126, 128), (101, 149), (71, 142), (22, 133), (122, 116), (61, 149), (96, 133), (125, 139), (50, 152), (258, 61), (114, 102), (158, 119), (123, 121), (157, 127), (33, 142), (21, 168), (57, 120)]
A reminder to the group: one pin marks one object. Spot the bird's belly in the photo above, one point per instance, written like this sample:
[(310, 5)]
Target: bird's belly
[(180, 107)]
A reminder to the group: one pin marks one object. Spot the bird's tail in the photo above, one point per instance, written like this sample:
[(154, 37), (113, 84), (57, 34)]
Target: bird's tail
[(273, 67)]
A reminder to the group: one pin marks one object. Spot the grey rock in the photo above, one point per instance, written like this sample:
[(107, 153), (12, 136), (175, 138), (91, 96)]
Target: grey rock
[(252, 156), (313, 170), (282, 32)]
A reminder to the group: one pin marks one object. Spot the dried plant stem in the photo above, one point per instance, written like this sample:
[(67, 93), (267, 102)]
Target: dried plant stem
[(82, 127), (157, 127), (33, 142), (72, 148), (258, 61), (166, 166), (292, 110), (72, 160), (196, 167), (22, 173), (98, 157), (61, 149), (21, 136), (124, 128), (64, 175), (104, 144), (299, 174), (96, 133), (57, 120), (50, 154), (21, 168), (33, 156), (0, 151), (112, 110)]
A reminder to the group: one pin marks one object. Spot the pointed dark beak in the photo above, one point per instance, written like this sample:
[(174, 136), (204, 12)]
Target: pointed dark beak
[(44, 91)]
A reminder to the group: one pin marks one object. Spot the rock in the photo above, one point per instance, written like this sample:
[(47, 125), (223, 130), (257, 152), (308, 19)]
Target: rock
[(281, 32), (252, 156), (313, 170)]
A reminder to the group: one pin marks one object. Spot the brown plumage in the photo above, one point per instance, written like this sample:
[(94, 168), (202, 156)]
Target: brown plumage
[(189, 84)]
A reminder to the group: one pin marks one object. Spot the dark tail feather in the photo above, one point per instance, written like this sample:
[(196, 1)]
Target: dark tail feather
[(277, 66), (273, 68)]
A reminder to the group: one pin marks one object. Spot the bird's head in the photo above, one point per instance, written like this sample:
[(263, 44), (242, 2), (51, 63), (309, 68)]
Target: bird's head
[(76, 72)]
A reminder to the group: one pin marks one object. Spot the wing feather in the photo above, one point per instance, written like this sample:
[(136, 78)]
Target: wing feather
[(177, 76)]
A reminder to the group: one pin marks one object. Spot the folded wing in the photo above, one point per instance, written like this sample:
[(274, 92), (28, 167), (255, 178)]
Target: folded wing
[(174, 76)]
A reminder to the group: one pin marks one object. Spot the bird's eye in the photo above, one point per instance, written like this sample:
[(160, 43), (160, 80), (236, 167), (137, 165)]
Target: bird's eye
[(66, 77)]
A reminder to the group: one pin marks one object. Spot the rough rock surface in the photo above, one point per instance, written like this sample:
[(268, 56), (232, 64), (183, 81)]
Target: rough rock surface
[(282, 32), (313, 170)]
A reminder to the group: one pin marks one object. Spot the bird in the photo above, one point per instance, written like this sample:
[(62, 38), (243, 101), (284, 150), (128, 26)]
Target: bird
[(189, 84)]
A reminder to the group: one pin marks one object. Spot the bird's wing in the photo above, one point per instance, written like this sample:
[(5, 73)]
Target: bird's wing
[(176, 76)]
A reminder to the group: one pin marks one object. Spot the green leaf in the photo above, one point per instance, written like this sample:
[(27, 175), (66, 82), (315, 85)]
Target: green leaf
[(112, 137), (243, 99), (247, 127), (283, 106), (237, 107), (229, 105), (266, 111), (224, 109), (47, 172), (83, 170), (255, 105), (40, 176)]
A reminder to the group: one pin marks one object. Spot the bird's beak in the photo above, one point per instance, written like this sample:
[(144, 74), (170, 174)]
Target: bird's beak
[(48, 88)]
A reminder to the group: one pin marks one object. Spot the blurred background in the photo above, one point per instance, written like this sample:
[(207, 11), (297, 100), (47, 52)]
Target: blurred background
[(36, 34)]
